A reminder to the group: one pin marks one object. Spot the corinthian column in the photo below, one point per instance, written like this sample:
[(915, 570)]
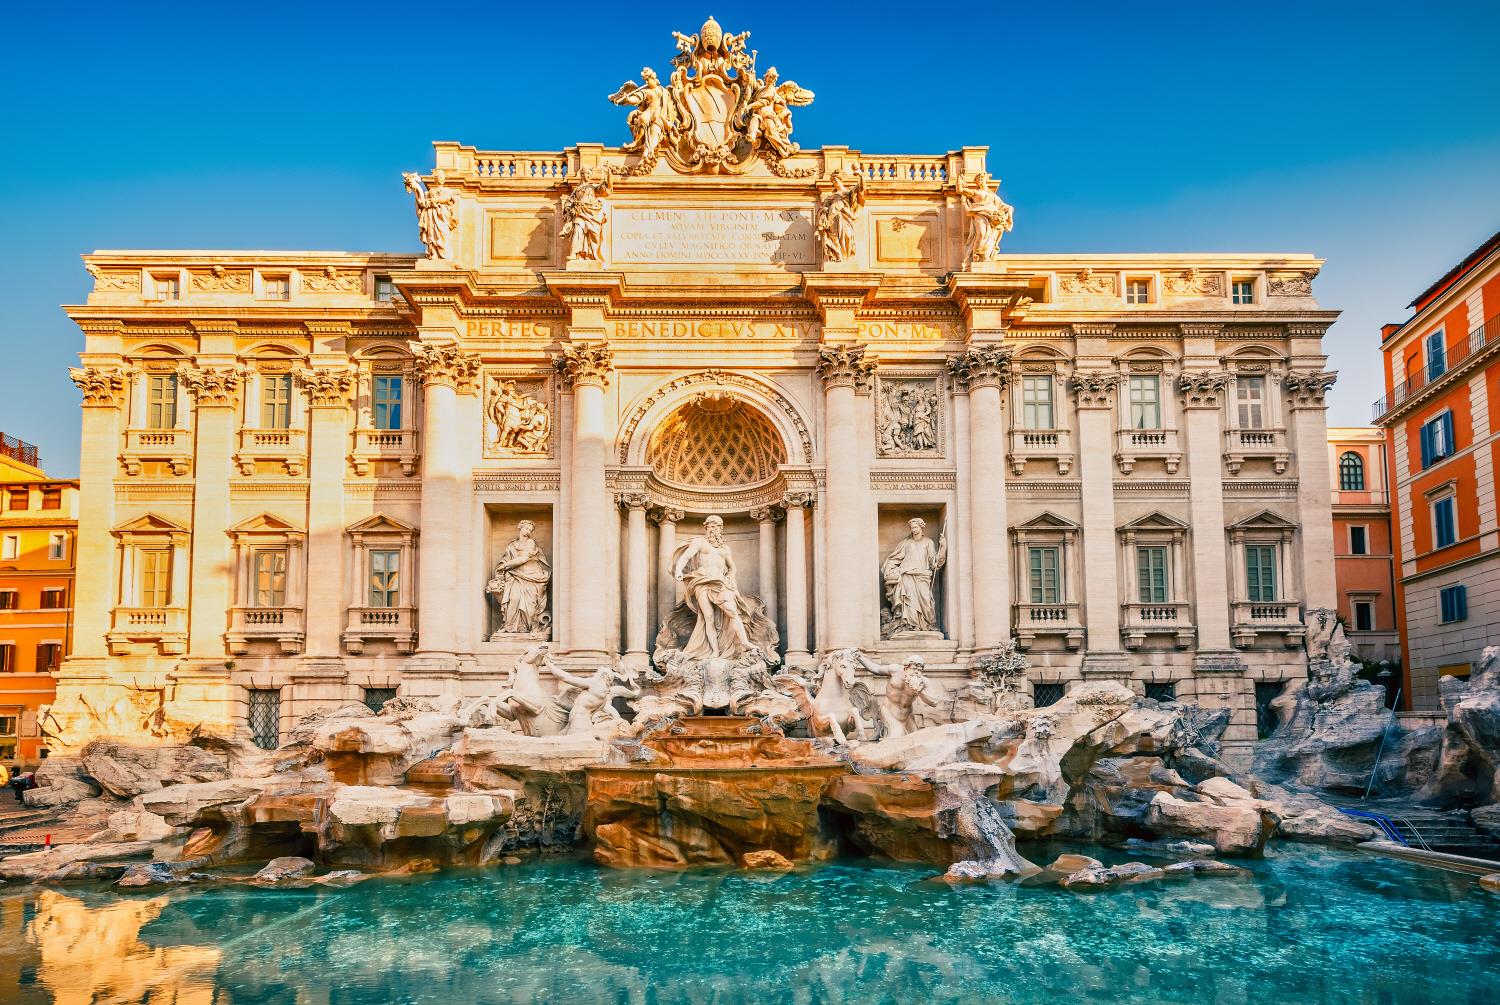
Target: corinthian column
[(445, 371), (215, 391), (328, 432), (1304, 396), (1095, 393), (585, 368), (796, 504), (667, 520), (844, 368), (93, 595), (637, 573), (765, 519), (985, 370)]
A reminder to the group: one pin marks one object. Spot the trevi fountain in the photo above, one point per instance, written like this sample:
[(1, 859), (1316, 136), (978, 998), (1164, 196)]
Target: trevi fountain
[(826, 781)]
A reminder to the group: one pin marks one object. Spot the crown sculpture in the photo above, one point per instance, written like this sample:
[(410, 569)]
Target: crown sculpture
[(715, 115)]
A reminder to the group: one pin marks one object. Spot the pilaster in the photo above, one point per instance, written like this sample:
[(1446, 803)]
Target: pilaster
[(1305, 392), (586, 368), (328, 390), (984, 370), (1095, 391), (215, 384), (845, 369), (103, 390), (1201, 391)]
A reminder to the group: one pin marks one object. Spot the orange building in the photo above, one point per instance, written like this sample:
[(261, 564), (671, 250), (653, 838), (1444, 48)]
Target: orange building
[(1442, 372), (38, 525), (1364, 562)]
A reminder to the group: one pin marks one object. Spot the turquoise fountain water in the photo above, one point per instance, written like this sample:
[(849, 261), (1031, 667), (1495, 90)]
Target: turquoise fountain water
[(1309, 926)]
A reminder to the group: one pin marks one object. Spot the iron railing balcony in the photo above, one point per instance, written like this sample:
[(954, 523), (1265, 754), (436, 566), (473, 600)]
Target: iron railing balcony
[(1454, 356)]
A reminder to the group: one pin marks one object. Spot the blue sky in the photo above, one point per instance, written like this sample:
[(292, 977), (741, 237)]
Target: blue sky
[(1367, 133)]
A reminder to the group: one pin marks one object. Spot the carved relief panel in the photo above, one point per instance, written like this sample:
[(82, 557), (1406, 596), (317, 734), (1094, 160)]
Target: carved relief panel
[(908, 416), (519, 409)]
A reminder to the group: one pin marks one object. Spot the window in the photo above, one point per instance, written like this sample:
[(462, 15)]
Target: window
[(276, 287), (1437, 438), (48, 657), (385, 290), (1036, 403), (155, 576), (385, 577), (1046, 583), (1151, 574), (1266, 719), (1165, 691), (1250, 396), (1444, 526), (20, 499), (1045, 693), (10, 547), (8, 724), (265, 717), (54, 599), (1364, 616), (1453, 604), (268, 566), (376, 697), (52, 497), (1145, 401), (1260, 572), (1351, 472), (1242, 291), (1359, 540), (161, 401), (57, 547), (8, 600), (7, 658), (387, 399), (276, 401), (1137, 291), (167, 287), (1437, 355)]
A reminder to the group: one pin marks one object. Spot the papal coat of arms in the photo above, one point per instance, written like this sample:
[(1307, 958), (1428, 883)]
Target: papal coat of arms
[(715, 114)]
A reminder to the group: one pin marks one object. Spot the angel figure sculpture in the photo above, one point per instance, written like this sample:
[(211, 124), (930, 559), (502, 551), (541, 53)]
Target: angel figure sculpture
[(836, 215), (437, 211), (990, 217), (654, 118), (768, 116), (585, 214)]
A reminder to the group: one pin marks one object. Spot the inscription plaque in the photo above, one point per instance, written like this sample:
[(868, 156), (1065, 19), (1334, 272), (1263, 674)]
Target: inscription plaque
[(712, 236)]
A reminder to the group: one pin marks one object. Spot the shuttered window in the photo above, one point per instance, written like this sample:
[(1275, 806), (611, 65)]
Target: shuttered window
[(1151, 574), (1453, 603), (1046, 585), (1260, 572)]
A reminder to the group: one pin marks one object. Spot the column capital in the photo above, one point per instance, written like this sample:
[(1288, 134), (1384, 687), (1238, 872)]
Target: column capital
[(667, 514), (1306, 389), (446, 364), (846, 365), (102, 387), (798, 500), (765, 514), (328, 388), (1201, 388), (632, 500), (1095, 388), (980, 365), (212, 386), (587, 364)]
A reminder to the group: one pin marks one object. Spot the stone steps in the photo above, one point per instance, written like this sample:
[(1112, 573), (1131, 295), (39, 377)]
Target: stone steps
[(1440, 830)]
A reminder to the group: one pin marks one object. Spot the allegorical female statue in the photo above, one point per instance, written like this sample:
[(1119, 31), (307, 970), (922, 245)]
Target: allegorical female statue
[(585, 214), (907, 572), (836, 215), (990, 217), (519, 586), (436, 212)]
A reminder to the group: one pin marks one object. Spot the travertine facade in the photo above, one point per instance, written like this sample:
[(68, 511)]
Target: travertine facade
[(1121, 460)]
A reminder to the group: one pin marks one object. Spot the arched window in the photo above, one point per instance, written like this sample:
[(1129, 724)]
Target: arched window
[(1351, 472)]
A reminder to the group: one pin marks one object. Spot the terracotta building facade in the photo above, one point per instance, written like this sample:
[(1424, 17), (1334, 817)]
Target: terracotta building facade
[(1364, 559), (314, 478), (1441, 378)]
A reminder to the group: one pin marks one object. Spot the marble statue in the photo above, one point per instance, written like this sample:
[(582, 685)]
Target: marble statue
[(519, 586), (705, 567), (837, 212), (908, 573), (843, 698), (585, 214), (593, 704), (908, 417), (521, 422), (768, 118), (654, 117), (989, 218), (713, 683), (437, 213), (907, 685), (523, 698)]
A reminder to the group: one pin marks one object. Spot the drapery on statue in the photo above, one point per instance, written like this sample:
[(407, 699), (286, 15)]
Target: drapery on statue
[(437, 210), (705, 567), (519, 585), (990, 217), (521, 422), (768, 117), (654, 117), (908, 572), (837, 212), (585, 214)]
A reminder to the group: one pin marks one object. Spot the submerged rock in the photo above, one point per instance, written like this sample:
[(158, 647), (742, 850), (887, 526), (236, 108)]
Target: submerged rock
[(1100, 878), (283, 870), (767, 859)]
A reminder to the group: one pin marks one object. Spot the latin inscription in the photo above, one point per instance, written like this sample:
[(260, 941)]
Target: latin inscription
[(712, 236), (719, 330), (905, 331), (509, 329)]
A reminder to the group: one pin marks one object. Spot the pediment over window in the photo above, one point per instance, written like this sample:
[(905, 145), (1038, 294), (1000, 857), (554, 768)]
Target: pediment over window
[(1264, 520), (1047, 521), (265, 523), (379, 523), (1155, 521), (150, 523)]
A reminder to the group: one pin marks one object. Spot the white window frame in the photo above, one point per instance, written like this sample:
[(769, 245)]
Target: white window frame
[(1354, 606), (1439, 337), (1234, 292), (1364, 529), (163, 281), (1451, 499), (10, 548), (1130, 281), (57, 546)]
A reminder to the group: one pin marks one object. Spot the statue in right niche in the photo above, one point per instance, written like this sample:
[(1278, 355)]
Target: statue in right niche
[(519, 586), (908, 573)]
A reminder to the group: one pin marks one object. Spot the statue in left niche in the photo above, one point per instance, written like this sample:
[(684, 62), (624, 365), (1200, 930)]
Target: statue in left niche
[(585, 214), (437, 213), (519, 587), (908, 573), (837, 212)]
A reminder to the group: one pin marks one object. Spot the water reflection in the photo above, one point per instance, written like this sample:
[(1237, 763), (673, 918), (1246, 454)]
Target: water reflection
[(1313, 926)]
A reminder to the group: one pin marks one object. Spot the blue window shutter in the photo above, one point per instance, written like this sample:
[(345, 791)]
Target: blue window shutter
[(1449, 443), (1461, 598), (1426, 445)]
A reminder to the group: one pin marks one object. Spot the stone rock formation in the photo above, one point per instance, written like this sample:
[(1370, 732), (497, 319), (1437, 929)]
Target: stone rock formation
[(1468, 769), (126, 770)]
